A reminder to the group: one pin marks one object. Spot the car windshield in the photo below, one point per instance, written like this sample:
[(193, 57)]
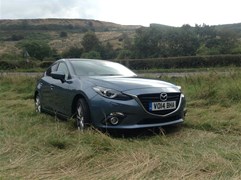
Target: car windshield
[(100, 68)]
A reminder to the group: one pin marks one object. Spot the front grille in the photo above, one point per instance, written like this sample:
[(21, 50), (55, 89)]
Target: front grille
[(146, 99)]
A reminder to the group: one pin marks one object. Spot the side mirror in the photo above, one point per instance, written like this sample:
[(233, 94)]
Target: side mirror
[(58, 75)]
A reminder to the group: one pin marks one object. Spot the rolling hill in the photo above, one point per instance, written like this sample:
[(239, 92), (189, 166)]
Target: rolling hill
[(12, 32), (15, 32)]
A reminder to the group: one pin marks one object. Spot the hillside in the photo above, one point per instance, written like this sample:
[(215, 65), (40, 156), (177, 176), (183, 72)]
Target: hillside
[(63, 24), (14, 33), (49, 30), (233, 27), (228, 27)]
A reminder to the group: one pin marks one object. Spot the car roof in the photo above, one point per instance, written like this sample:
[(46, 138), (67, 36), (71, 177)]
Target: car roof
[(82, 59)]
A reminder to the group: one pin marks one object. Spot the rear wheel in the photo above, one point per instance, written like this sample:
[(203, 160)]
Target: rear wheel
[(38, 107), (82, 114)]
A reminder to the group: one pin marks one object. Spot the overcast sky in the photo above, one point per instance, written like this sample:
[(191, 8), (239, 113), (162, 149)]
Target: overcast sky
[(128, 12)]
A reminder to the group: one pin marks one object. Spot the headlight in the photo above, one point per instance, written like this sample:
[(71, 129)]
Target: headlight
[(180, 88), (111, 93)]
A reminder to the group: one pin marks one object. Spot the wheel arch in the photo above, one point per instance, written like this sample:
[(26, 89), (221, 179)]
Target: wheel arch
[(74, 103), (35, 94)]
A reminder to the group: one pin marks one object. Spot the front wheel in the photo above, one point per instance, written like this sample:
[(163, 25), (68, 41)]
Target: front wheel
[(38, 107), (82, 114)]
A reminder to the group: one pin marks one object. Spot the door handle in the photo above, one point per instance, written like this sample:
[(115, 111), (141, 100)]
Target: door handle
[(51, 87)]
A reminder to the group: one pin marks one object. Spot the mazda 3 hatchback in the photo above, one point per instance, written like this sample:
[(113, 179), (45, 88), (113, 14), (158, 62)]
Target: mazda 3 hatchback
[(107, 95)]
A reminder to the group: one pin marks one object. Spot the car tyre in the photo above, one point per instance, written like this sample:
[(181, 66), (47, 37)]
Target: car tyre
[(38, 107), (82, 114)]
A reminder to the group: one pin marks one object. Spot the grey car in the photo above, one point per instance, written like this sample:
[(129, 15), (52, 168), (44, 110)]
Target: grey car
[(108, 95)]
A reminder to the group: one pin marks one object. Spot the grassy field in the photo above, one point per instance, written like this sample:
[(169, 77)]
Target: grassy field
[(207, 146)]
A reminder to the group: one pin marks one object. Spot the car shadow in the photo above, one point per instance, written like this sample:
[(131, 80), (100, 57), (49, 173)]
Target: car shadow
[(130, 133), (143, 132)]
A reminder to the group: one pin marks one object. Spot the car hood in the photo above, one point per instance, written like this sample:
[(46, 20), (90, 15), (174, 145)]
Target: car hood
[(127, 84)]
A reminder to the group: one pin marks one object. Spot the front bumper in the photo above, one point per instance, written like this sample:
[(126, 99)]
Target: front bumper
[(135, 115)]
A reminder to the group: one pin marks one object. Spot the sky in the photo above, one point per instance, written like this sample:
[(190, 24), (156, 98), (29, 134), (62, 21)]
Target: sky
[(128, 12)]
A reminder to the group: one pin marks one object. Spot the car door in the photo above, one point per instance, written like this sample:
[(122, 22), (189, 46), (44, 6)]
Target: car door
[(46, 88), (61, 92)]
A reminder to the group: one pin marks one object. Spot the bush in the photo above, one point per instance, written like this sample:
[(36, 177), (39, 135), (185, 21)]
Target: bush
[(37, 49), (73, 52), (17, 37), (11, 65), (183, 62), (26, 65), (10, 56), (63, 34), (6, 65), (45, 64), (91, 55), (124, 54)]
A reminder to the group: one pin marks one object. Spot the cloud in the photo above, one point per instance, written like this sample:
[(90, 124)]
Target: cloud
[(133, 12), (26, 9)]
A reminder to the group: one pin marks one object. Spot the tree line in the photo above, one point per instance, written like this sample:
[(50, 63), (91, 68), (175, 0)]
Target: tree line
[(149, 42), (154, 42)]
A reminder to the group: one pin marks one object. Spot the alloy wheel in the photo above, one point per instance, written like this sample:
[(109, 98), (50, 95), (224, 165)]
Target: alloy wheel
[(80, 117), (37, 104)]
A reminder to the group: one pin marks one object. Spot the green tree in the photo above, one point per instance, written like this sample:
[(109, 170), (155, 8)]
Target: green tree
[(125, 54), (37, 49), (146, 42), (228, 41), (213, 42), (63, 34), (107, 51), (16, 37), (90, 42), (207, 37), (73, 52), (183, 42), (93, 48), (156, 42), (91, 55)]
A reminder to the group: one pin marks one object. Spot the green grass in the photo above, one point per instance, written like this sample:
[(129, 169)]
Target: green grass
[(207, 146)]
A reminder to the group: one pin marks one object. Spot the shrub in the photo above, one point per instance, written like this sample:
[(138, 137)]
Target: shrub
[(73, 52), (11, 65), (91, 55), (10, 56), (63, 34), (124, 54), (17, 37), (45, 64), (184, 62), (25, 65), (6, 65), (37, 49)]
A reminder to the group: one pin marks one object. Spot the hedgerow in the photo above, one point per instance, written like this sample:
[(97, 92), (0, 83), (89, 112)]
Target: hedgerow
[(142, 64), (183, 62)]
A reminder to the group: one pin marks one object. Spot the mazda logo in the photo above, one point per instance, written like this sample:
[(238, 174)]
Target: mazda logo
[(163, 96)]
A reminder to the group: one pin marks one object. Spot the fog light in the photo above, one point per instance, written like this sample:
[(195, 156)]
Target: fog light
[(114, 120)]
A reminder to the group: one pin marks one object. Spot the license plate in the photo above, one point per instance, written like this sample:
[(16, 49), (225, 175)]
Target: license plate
[(158, 106)]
